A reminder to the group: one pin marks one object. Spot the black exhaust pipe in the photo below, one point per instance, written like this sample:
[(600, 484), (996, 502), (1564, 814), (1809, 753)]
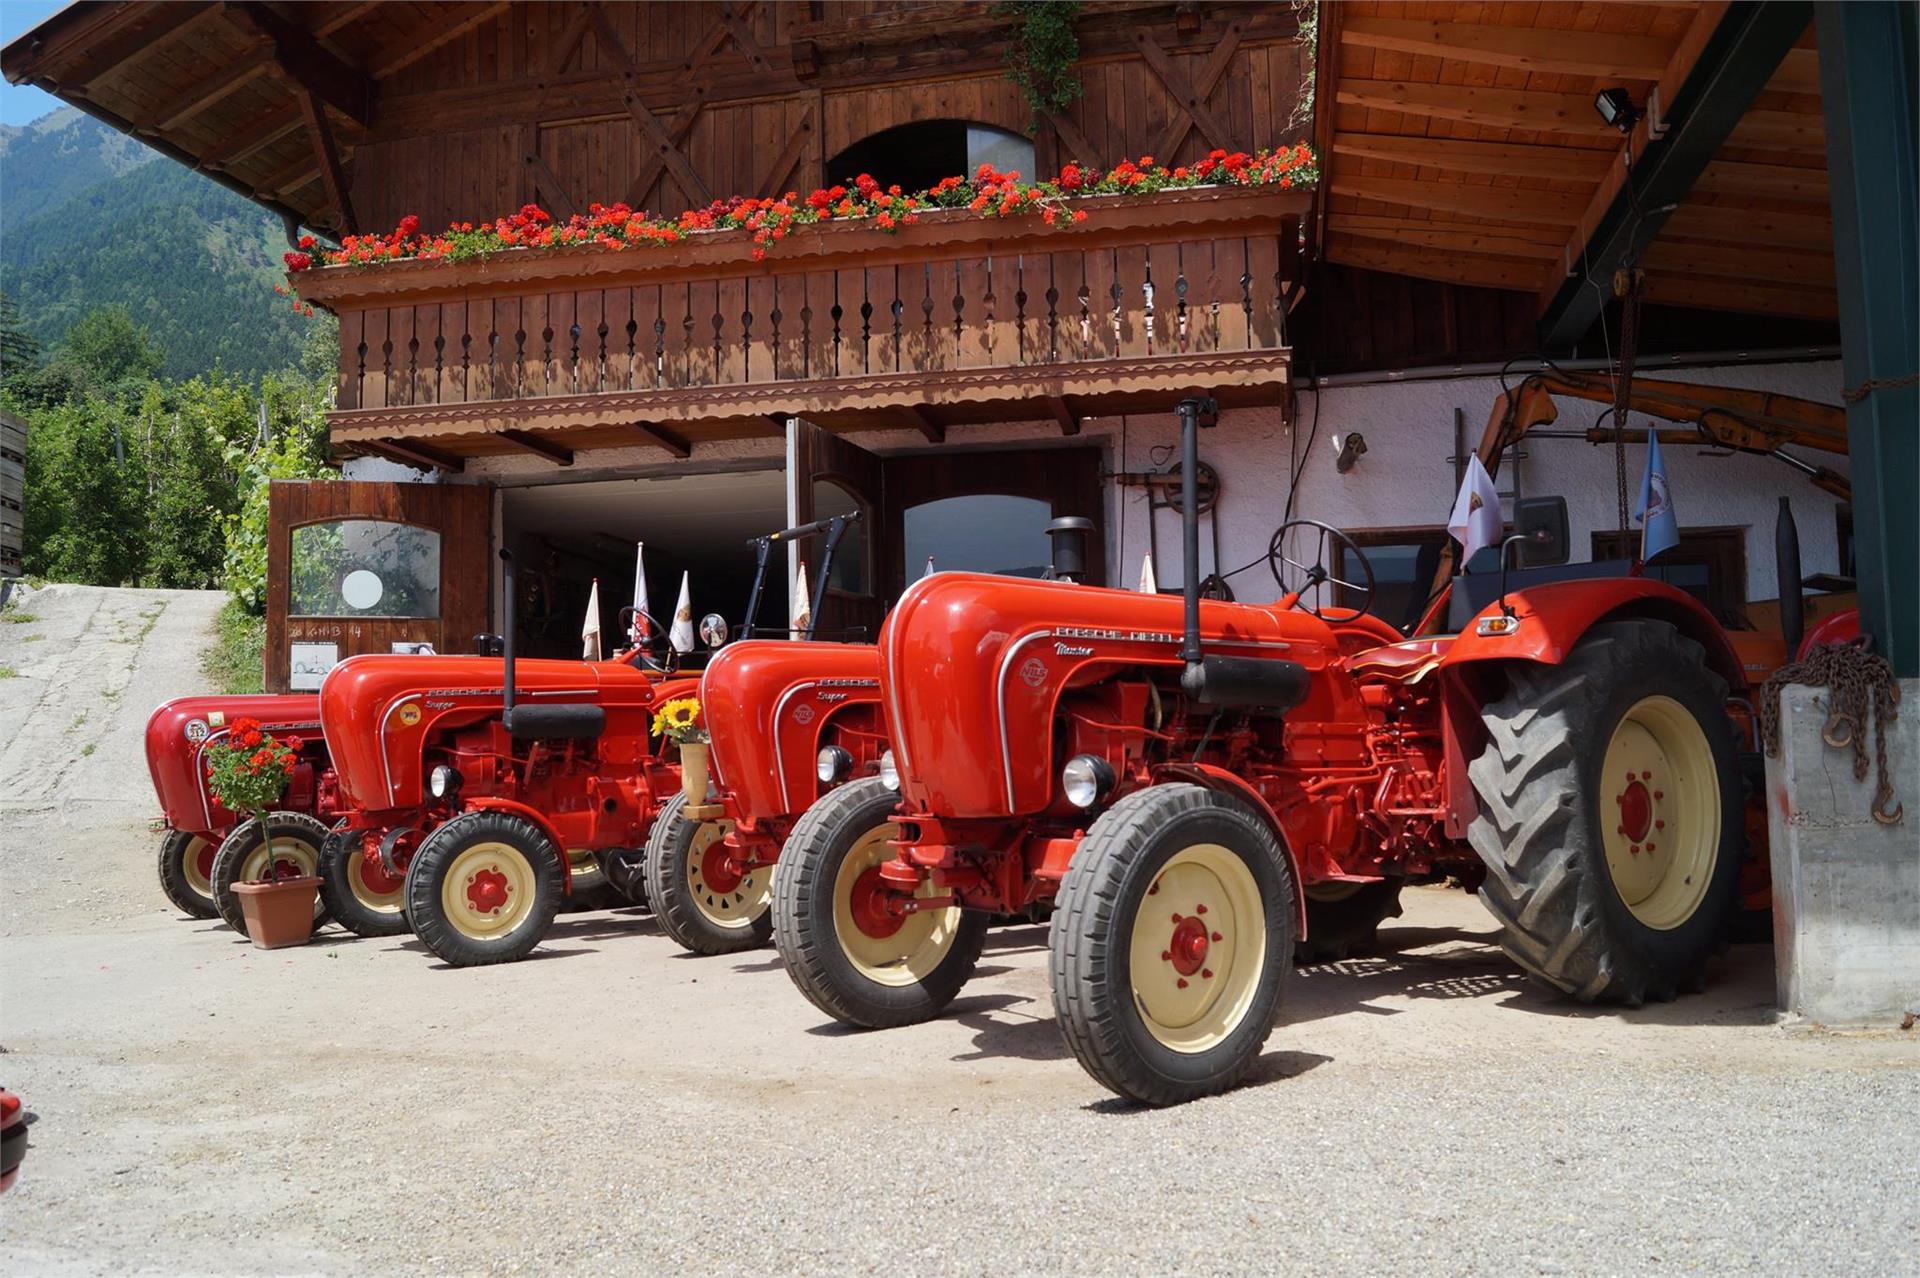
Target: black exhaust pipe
[(506, 640), (1786, 564), (1069, 537), (1194, 413)]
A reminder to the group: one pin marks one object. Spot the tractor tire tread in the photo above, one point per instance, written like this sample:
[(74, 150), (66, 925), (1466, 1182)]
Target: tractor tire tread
[(239, 841), (173, 880), (337, 891), (423, 911), (673, 907)]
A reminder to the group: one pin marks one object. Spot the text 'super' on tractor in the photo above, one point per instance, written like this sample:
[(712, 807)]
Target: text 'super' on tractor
[(1194, 785)]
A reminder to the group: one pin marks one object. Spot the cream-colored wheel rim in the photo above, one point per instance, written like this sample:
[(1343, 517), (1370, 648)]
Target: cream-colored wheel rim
[(910, 953), (298, 851), (488, 891), (1660, 812), (364, 892), (190, 871), (581, 864), (1198, 948), (725, 899)]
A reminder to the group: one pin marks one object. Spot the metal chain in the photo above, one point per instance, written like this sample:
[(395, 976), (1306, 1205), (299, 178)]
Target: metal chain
[(1850, 674), (1872, 384), (1626, 287)]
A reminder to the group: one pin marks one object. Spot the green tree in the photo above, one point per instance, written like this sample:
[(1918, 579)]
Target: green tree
[(19, 352), (109, 345), (192, 490), (83, 519)]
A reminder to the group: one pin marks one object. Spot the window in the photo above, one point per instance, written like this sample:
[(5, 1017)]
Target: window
[(1709, 563), (364, 568), (916, 156), (852, 568), (989, 532), (1404, 563)]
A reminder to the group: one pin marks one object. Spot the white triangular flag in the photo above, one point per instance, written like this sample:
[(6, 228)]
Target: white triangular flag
[(641, 608), (681, 636), (1475, 522), (929, 571), (1149, 585), (590, 628), (802, 610)]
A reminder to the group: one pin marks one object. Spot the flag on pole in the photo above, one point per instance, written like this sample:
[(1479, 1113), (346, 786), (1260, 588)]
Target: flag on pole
[(1659, 526), (802, 610), (1475, 522), (1149, 584), (590, 628), (681, 636), (641, 608), (929, 571)]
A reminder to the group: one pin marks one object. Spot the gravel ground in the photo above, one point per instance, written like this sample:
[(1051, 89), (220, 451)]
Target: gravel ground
[(614, 1106)]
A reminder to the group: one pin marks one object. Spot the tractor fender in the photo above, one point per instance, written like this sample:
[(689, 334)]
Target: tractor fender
[(1218, 778), (1553, 617), (492, 803)]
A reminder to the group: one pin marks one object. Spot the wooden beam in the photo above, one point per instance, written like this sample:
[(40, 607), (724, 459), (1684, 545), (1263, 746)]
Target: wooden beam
[(443, 35), (1538, 208), (264, 132), (1439, 235), (340, 85), (1740, 262), (788, 159), (415, 453), (1536, 49), (343, 17), (1799, 131), (1799, 72), (668, 149), (1775, 181), (1570, 113), (915, 419), (1078, 148), (1210, 77), (677, 130), (1709, 294), (293, 178), (1497, 159), (205, 92), (571, 36), (1751, 226), (550, 182), (1432, 264), (539, 446), (735, 19), (673, 441), (1063, 413), (156, 25), (1185, 97), (332, 175)]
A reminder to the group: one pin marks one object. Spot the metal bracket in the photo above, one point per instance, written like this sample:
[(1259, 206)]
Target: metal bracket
[(1657, 123)]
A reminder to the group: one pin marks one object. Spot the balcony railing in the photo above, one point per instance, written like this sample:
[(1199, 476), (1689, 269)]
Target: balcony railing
[(958, 318)]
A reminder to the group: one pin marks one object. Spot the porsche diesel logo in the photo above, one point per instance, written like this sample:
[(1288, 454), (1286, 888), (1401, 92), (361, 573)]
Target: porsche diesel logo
[(1033, 672), (803, 715)]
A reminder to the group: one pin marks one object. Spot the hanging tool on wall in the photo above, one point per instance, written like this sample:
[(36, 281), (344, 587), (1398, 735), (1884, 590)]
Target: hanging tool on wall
[(1164, 493)]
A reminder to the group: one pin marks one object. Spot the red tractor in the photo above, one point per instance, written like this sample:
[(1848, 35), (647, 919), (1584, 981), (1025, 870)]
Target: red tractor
[(1195, 785), (199, 863), (475, 782)]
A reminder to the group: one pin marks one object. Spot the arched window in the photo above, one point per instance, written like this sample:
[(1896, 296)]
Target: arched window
[(916, 156), (364, 568), (983, 532)]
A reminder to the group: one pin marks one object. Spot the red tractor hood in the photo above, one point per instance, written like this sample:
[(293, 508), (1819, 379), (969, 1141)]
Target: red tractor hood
[(973, 667), (381, 712), (178, 732), (767, 703)]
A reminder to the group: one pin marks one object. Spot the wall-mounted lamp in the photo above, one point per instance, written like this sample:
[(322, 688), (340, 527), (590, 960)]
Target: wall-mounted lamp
[(1616, 107)]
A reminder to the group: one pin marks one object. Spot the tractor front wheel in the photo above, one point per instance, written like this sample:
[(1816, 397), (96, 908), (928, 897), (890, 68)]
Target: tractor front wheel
[(242, 858), (186, 872), (700, 898), (484, 888), (854, 956), (359, 891), (1171, 944), (1610, 815)]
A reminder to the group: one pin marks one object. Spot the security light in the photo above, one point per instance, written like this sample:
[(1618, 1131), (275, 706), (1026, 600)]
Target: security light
[(1616, 107)]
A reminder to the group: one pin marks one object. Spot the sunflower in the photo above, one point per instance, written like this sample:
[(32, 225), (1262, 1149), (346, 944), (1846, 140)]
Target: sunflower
[(678, 719)]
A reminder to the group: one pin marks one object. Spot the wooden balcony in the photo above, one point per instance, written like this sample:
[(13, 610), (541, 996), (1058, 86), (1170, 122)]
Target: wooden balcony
[(957, 320)]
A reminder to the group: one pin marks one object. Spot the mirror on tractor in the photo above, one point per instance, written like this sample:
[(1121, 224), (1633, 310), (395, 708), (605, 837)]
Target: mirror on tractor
[(713, 630), (1542, 522)]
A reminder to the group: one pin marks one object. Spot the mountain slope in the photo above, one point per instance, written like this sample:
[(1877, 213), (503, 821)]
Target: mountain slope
[(88, 218)]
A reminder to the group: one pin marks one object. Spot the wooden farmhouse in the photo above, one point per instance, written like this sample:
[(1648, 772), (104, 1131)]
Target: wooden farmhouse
[(1483, 172)]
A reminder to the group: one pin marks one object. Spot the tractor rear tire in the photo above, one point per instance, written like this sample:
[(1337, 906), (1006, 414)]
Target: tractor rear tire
[(186, 873), (355, 899), (1162, 1011), (484, 888), (701, 904), (626, 873), (1339, 927), (1606, 888), (855, 973), (297, 839)]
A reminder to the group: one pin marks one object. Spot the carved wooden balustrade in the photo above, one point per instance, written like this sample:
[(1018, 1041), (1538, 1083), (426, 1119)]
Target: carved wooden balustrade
[(957, 319)]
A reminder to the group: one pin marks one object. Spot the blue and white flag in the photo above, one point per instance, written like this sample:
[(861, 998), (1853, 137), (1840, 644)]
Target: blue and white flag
[(1659, 528)]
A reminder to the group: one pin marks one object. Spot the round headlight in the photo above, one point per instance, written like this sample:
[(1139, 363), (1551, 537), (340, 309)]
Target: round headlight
[(1086, 779), (889, 774), (444, 782), (833, 764)]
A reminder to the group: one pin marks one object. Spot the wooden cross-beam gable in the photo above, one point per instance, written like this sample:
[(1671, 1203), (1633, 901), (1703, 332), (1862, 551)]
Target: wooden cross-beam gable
[(1536, 49), (306, 61), (789, 158), (327, 156), (551, 187), (160, 25), (539, 445), (206, 92), (666, 146), (1188, 100), (915, 419), (263, 132), (735, 19), (673, 441), (1201, 89), (445, 35), (1079, 149)]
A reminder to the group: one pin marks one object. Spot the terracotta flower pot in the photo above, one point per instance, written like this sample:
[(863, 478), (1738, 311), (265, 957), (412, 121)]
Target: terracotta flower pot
[(693, 772), (278, 914)]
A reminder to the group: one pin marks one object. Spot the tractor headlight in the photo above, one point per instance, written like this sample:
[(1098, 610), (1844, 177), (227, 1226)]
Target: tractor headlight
[(444, 782), (889, 774), (1087, 779), (833, 764)]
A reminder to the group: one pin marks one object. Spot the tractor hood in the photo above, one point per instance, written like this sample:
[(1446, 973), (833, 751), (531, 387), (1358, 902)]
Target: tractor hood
[(973, 667), (382, 712), (178, 733), (768, 703)]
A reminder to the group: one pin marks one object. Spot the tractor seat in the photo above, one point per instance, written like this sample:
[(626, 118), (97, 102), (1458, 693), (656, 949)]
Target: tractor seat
[(1405, 662)]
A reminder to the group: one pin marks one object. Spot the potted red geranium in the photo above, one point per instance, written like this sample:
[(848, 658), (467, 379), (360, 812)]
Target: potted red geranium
[(248, 773)]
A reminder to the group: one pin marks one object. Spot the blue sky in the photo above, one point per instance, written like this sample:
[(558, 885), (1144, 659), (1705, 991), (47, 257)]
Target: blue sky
[(20, 103)]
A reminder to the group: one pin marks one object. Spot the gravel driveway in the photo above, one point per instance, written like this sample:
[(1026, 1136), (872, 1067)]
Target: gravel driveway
[(614, 1106)]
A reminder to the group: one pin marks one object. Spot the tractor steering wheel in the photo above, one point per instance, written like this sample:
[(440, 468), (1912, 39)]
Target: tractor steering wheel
[(1293, 585), (655, 642)]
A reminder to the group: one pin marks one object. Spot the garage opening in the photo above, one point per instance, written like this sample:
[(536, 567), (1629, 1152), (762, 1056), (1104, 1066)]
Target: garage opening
[(565, 535)]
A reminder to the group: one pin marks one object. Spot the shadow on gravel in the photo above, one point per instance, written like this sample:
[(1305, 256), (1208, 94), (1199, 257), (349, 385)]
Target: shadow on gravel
[(1016, 939), (772, 963), (1009, 1025), (1272, 1067), (538, 956)]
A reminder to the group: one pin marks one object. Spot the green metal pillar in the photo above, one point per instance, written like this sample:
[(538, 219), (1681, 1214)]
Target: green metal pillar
[(1869, 84)]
